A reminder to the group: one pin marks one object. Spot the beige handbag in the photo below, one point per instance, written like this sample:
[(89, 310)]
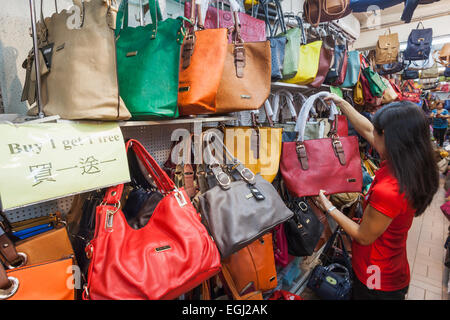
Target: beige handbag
[(389, 94), (432, 72), (78, 65), (444, 55), (387, 48)]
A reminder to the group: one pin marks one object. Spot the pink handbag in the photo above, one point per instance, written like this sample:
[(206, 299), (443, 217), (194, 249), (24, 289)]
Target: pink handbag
[(280, 248), (252, 29), (446, 210)]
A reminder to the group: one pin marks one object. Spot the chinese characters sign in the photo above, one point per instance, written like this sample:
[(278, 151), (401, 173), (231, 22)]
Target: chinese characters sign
[(45, 161)]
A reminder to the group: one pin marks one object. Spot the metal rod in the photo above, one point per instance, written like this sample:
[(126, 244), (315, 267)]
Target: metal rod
[(36, 58)]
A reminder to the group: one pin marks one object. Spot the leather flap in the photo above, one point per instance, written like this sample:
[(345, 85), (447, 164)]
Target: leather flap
[(388, 41), (421, 36)]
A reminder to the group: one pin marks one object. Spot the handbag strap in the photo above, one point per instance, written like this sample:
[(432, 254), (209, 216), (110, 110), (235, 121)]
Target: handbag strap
[(420, 23), (228, 280), (304, 113), (335, 266), (13, 259), (280, 17), (155, 13), (289, 98)]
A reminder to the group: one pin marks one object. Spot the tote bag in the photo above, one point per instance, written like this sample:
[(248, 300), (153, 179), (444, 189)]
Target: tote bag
[(308, 62), (353, 69), (148, 63)]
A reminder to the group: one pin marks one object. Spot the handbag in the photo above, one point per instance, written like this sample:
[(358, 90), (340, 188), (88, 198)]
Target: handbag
[(148, 63), (336, 72), (203, 52), (227, 279), (353, 69), (409, 74), (264, 151), (397, 89), (419, 43), (303, 230), (335, 251), (308, 63), (253, 29), (253, 266), (389, 95), (174, 231), (331, 164), (410, 92), (376, 84), (358, 95), (387, 48), (245, 82), (277, 43), (325, 59), (239, 212), (444, 55), (329, 285), (432, 72), (316, 11), (284, 295), (42, 281), (48, 246), (280, 247), (83, 57), (350, 25)]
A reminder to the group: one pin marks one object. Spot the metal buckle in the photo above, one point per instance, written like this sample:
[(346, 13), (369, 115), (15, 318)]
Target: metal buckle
[(303, 206), (246, 174), (222, 178), (180, 198), (24, 261), (110, 216), (8, 293)]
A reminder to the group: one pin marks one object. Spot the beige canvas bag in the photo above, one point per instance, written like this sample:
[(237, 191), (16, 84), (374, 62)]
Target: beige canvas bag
[(387, 48), (80, 82)]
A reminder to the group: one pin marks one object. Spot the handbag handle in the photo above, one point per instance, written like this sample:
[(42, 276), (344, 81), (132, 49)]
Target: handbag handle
[(280, 19), (420, 23), (8, 285), (13, 259), (335, 266), (276, 104), (344, 5), (299, 23), (300, 126), (122, 15)]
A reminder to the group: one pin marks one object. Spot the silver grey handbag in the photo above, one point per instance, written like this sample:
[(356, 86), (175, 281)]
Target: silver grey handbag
[(241, 207)]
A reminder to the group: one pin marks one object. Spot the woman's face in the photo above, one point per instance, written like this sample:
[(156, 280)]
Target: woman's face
[(439, 105), (379, 143)]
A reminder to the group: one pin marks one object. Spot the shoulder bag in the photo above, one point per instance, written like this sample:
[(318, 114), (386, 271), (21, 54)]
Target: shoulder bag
[(353, 69), (241, 211), (432, 72), (253, 266), (303, 230), (316, 11), (387, 48), (41, 281), (253, 29), (336, 74), (419, 43), (376, 84), (145, 263), (325, 60), (203, 56), (410, 74), (79, 69), (330, 285), (308, 63), (332, 164), (389, 94), (245, 83), (148, 63), (444, 55)]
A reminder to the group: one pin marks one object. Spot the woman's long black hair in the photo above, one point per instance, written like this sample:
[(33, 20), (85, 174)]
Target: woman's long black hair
[(409, 151)]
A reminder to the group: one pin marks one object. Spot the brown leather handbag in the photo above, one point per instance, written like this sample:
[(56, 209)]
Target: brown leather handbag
[(203, 56), (326, 57), (253, 267), (326, 233), (246, 78), (51, 245), (230, 285), (444, 55), (316, 11)]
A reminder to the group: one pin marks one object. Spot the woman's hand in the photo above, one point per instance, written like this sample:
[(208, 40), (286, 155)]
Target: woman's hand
[(323, 201), (336, 99)]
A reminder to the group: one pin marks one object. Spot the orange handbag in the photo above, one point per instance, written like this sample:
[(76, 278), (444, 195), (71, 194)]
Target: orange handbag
[(45, 281), (202, 62), (246, 78), (227, 278), (253, 267)]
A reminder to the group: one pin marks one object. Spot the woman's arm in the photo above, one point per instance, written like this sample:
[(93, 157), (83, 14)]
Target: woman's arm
[(361, 124), (371, 227)]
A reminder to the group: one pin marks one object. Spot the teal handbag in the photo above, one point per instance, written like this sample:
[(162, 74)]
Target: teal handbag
[(148, 60), (353, 69)]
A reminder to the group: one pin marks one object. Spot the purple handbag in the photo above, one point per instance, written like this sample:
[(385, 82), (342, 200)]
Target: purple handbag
[(252, 29), (446, 209)]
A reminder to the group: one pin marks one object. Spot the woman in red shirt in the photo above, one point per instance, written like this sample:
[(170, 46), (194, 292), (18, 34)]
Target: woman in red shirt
[(403, 188)]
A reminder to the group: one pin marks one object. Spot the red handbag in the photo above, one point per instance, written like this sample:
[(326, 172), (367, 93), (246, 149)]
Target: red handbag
[(330, 164), (169, 256), (369, 99), (396, 89), (410, 92), (252, 29)]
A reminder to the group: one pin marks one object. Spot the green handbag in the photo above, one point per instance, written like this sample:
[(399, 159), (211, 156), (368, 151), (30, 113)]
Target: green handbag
[(148, 60), (376, 84)]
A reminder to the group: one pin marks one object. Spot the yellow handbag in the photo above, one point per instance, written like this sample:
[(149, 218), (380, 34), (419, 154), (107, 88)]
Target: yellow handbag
[(308, 64), (358, 97), (389, 94), (258, 148)]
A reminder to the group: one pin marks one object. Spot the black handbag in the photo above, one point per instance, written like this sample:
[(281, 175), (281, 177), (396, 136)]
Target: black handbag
[(391, 68), (447, 72), (419, 43), (335, 251), (303, 230), (330, 285), (409, 74)]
